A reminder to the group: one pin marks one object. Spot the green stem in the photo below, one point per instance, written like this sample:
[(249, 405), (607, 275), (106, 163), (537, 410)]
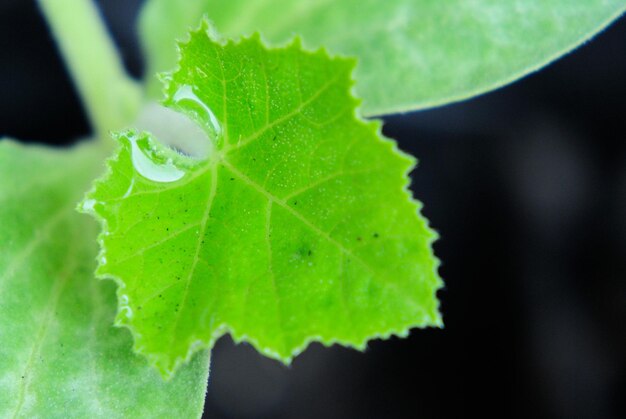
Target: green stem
[(110, 96)]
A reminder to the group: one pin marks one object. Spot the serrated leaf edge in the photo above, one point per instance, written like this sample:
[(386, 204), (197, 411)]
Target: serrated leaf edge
[(156, 360)]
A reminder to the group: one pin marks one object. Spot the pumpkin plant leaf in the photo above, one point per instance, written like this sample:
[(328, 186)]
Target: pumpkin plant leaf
[(297, 225), (60, 354), (413, 54)]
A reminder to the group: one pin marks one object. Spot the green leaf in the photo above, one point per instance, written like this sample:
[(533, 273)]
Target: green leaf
[(413, 54), (296, 227), (60, 355)]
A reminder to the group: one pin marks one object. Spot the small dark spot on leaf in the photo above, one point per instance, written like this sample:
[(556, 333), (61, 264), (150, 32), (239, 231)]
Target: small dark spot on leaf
[(359, 238), (375, 235)]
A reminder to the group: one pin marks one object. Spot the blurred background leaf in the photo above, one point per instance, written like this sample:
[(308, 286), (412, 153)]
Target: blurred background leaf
[(413, 54), (61, 356)]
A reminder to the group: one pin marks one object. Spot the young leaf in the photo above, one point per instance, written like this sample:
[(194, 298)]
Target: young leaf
[(412, 54), (60, 356), (296, 227)]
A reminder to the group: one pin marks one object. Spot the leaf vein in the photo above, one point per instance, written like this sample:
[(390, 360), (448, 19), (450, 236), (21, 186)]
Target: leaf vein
[(254, 136), (205, 219)]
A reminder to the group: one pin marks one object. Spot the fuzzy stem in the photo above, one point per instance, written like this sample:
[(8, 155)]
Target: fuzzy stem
[(111, 98)]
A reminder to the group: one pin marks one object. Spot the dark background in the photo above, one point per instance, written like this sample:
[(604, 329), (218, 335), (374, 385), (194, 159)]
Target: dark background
[(527, 187)]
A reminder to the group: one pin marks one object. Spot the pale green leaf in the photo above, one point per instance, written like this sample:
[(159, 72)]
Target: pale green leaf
[(296, 227), (60, 355), (412, 53)]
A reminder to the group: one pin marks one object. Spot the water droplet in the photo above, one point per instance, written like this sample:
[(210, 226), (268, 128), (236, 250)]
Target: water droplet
[(87, 205), (149, 169), (130, 188), (124, 307), (186, 99)]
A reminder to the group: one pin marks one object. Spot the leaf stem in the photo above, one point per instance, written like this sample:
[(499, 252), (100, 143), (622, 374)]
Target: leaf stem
[(111, 98)]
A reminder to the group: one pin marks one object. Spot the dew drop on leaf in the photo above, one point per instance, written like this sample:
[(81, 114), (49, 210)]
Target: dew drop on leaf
[(186, 99), (148, 168), (87, 205)]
